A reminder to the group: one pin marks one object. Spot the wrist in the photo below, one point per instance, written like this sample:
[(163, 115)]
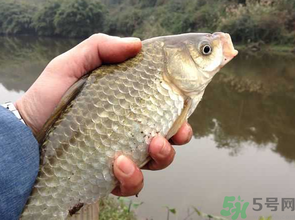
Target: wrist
[(25, 115), (11, 107)]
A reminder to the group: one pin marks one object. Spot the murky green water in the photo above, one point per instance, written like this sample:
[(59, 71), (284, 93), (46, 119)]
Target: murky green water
[(244, 133)]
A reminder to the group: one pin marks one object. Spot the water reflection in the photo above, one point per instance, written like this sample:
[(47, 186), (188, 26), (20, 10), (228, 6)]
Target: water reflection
[(235, 118), (22, 59)]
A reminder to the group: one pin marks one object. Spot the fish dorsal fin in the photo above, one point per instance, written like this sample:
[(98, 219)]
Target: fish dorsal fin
[(71, 93)]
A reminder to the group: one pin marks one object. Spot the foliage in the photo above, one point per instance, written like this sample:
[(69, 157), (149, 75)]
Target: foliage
[(117, 209), (15, 18), (265, 218), (79, 18), (148, 3), (43, 20), (208, 216), (255, 22), (66, 18), (170, 210), (126, 22), (212, 217), (248, 21)]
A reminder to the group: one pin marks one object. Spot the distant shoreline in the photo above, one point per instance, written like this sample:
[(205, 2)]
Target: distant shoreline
[(253, 48), (266, 48)]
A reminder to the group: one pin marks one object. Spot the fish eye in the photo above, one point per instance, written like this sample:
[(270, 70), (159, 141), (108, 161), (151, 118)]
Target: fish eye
[(206, 49)]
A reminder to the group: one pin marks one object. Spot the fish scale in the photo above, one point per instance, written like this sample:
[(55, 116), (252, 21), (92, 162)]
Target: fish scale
[(109, 117), (117, 109)]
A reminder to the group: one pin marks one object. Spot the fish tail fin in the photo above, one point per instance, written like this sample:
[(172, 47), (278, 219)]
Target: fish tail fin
[(87, 212)]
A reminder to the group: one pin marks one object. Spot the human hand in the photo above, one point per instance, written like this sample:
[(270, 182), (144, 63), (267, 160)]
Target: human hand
[(162, 154), (38, 103)]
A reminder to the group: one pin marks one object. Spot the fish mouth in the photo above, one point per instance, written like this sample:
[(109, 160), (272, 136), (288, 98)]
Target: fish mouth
[(229, 52)]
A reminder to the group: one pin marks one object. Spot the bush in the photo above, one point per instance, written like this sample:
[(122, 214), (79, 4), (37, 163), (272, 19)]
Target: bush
[(79, 18), (204, 17), (148, 3), (173, 21), (16, 17), (254, 22), (43, 20), (125, 22)]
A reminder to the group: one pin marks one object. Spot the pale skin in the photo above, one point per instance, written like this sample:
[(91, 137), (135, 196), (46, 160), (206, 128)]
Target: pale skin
[(37, 104)]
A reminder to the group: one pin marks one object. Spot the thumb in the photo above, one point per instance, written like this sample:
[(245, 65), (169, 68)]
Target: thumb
[(92, 52), (115, 49)]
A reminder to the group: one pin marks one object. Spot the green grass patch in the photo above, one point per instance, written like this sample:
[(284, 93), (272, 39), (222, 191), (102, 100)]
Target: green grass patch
[(117, 209)]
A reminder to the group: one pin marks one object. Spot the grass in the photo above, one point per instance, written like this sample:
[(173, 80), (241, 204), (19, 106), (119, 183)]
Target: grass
[(212, 217), (123, 209), (117, 209)]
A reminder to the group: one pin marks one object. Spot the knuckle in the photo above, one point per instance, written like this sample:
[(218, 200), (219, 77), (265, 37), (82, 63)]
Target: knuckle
[(55, 62), (161, 163), (153, 166), (134, 184), (97, 36), (131, 189), (157, 165)]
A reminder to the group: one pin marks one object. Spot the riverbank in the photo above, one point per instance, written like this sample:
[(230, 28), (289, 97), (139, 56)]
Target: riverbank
[(269, 21), (254, 48), (266, 48)]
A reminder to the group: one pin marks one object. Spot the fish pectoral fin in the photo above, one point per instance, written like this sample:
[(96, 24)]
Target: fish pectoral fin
[(87, 212), (72, 92), (181, 119)]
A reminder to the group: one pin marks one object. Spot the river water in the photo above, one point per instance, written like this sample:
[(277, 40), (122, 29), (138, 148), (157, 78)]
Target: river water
[(244, 135)]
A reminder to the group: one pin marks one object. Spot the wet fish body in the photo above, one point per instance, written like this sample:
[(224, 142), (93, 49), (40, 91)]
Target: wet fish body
[(117, 109)]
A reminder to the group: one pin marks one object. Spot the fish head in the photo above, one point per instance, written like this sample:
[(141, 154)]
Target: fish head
[(193, 59)]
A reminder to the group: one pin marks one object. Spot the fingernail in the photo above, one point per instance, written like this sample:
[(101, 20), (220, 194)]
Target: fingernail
[(125, 165), (165, 149), (130, 39)]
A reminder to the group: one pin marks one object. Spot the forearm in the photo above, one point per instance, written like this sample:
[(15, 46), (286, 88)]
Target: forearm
[(19, 164)]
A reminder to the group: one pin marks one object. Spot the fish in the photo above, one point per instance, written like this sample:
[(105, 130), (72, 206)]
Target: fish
[(117, 109)]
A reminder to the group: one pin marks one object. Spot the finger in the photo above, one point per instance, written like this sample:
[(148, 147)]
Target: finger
[(92, 52), (115, 49), (129, 176), (161, 152), (184, 135)]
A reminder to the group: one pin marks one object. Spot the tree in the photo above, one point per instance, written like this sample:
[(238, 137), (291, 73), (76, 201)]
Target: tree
[(80, 18), (16, 17), (43, 20), (126, 22)]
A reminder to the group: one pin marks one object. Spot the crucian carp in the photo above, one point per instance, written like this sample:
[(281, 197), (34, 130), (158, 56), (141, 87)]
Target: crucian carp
[(117, 109)]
